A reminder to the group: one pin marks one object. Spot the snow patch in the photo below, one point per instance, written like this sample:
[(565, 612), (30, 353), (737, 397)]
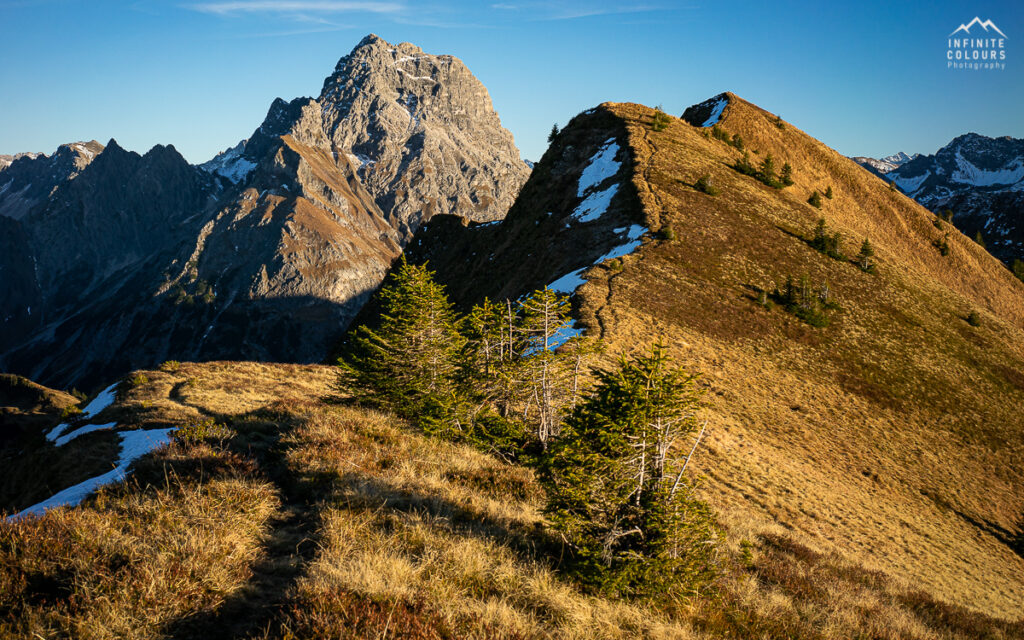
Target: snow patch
[(601, 167), (133, 445), (716, 112), (563, 335), (81, 431), (967, 173), (619, 251), (594, 206), (910, 185), (230, 164), (103, 400), (416, 77), (569, 282)]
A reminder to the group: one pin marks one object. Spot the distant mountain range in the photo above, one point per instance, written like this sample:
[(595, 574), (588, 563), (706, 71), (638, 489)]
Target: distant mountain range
[(114, 260), (979, 179)]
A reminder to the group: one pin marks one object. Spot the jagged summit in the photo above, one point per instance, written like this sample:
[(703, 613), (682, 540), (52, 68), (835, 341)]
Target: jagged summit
[(269, 249)]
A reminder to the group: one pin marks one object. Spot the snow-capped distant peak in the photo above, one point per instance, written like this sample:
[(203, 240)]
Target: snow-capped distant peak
[(899, 158), (230, 164)]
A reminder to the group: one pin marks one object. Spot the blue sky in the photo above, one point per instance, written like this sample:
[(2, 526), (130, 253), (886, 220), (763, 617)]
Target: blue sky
[(868, 78)]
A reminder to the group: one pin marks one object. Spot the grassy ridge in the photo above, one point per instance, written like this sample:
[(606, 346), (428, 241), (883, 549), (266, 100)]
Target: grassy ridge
[(302, 517), (890, 436)]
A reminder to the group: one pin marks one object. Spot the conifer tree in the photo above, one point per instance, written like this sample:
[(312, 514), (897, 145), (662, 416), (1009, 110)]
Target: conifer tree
[(616, 485), (786, 177), (545, 315), (704, 185), (553, 134), (767, 171), (815, 200), (864, 258), (660, 120), (744, 166), (1018, 269), (980, 239), (408, 363), (828, 192)]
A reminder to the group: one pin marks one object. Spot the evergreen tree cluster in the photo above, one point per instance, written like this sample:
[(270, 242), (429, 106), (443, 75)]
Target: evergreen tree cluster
[(808, 302), (830, 244), (610, 456), (766, 172), (492, 377), (735, 140)]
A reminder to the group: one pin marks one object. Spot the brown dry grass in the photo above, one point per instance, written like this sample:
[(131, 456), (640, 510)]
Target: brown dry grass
[(892, 437), (301, 517)]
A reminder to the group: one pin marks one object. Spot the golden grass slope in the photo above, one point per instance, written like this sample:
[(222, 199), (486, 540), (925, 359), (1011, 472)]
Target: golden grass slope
[(299, 517), (893, 437)]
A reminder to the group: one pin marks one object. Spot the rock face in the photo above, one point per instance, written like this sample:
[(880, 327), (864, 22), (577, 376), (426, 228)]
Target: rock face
[(577, 210), (980, 179), (419, 130), (265, 252), (26, 179)]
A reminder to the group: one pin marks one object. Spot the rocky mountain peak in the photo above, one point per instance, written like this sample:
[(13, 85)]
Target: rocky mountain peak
[(29, 178), (423, 133), (268, 250)]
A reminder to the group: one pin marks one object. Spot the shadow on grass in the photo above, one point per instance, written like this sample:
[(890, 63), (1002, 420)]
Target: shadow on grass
[(289, 545)]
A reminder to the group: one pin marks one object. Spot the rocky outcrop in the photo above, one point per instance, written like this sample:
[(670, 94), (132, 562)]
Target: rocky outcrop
[(267, 251), (27, 179)]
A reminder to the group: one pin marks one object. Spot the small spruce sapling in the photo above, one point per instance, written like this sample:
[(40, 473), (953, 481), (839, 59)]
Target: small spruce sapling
[(1018, 269), (704, 185), (744, 166), (828, 192), (980, 239), (864, 258), (767, 171), (660, 120), (786, 177), (553, 134), (815, 200)]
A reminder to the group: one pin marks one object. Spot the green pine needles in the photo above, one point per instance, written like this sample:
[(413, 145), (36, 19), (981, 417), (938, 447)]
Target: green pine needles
[(509, 378), (408, 363), (501, 377), (765, 173), (617, 487)]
